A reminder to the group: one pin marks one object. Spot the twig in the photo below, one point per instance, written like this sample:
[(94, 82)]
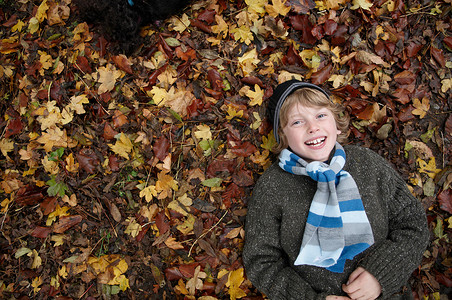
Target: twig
[(204, 234)]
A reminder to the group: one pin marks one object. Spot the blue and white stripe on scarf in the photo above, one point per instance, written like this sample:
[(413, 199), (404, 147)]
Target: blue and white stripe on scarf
[(337, 227)]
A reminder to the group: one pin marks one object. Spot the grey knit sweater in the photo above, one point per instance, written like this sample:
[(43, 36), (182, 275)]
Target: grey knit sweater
[(276, 219)]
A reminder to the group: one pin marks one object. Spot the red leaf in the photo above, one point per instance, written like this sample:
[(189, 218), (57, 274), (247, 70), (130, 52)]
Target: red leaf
[(220, 165), (162, 222), (405, 77), (40, 232), (109, 132), (188, 55), (243, 178), (64, 223), (113, 163), (165, 47), (195, 108), (406, 114), (445, 200), (448, 41), (339, 37), (318, 32), (438, 56), (29, 195), (292, 57), (245, 149), (87, 160), (302, 6), (215, 80), (122, 63), (330, 27), (155, 74), (48, 205), (15, 126), (161, 147), (252, 80), (449, 126), (207, 16), (402, 95), (83, 64), (412, 49), (321, 75), (200, 25), (301, 22), (173, 273)]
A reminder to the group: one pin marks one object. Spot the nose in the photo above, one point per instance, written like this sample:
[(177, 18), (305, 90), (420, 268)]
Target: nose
[(313, 127)]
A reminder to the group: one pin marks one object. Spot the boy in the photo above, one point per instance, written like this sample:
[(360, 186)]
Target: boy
[(326, 221)]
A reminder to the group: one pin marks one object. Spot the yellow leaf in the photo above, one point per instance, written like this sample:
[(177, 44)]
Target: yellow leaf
[(6, 145), (133, 228), (256, 6), (164, 185), (242, 34), (364, 4), (18, 27), (446, 84), (77, 102), (36, 282), (37, 261), (235, 279), (236, 292), (45, 60), (180, 24), (187, 227), (41, 13), (232, 113), (180, 205), (173, 244), (203, 132), (278, 8), (123, 146), (58, 239), (221, 28), (428, 168), (268, 142), (107, 78), (421, 107), (158, 95), (258, 121), (33, 25), (256, 96), (148, 193), (71, 165), (58, 212), (62, 272)]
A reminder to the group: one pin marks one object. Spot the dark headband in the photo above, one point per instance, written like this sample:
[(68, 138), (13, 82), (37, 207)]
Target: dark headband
[(280, 95)]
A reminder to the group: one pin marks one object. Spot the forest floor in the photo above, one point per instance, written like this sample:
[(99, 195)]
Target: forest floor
[(128, 176)]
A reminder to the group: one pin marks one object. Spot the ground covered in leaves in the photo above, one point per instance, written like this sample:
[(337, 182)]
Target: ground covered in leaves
[(127, 176)]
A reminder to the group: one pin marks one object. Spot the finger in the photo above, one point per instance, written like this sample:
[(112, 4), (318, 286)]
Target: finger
[(355, 274)]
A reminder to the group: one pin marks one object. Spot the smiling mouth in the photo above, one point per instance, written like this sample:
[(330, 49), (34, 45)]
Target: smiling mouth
[(316, 142)]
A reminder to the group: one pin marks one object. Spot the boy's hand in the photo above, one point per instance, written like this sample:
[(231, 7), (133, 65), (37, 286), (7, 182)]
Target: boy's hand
[(362, 285), (332, 297)]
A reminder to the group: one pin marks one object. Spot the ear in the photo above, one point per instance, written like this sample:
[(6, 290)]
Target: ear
[(339, 132)]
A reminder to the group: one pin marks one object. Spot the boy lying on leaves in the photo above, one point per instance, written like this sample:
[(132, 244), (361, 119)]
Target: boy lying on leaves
[(121, 20), (329, 221)]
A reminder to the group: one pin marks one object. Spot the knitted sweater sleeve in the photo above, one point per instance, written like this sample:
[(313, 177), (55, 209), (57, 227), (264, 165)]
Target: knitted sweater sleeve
[(393, 260), (265, 262)]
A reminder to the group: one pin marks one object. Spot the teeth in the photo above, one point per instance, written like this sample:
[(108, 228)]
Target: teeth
[(316, 141)]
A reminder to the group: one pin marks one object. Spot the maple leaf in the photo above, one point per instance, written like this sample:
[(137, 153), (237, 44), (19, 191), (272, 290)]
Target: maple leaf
[(203, 132), (428, 168), (58, 212), (221, 29), (133, 228), (232, 113), (235, 279), (268, 142), (123, 146), (256, 6), (6, 145), (258, 121), (446, 84), (256, 96), (278, 8), (37, 261), (36, 282), (242, 34), (77, 102), (421, 107), (187, 227), (107, 78), (71, 165), (173, 244), (180, 24), (248, 61), (159, 95), (148, 193), (58, 239), (195, 283), (45, 60), (364, 4), (165, 184), (180, 205)]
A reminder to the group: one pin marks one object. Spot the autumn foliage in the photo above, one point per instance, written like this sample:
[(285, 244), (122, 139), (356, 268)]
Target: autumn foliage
[(129, 176)]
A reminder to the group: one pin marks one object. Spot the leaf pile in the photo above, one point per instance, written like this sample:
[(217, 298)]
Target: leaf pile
[(128, 176)]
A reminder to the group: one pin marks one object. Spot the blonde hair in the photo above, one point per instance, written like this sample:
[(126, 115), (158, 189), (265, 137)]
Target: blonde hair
[(311, 98)]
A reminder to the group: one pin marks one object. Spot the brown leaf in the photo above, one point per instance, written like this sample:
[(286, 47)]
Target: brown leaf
[(207, 16), (438, 56), (243, 178), (245, 149), (115, 213), (29, 195), (448, 126), (322, 75), (87, 160), (109, 132), (123, 63), (83, 64), (119, 119), (292, 57), (330, 27), (64, 223), (445, 200), (302, 6), (215, 80), (40, 232), (302, 23), (161, 147), (413, 48), (405, 77), (15, 126), (448, 41), (162, 222), (48, 205), (200, 25)]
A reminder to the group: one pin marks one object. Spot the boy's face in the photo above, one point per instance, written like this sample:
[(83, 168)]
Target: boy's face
[(311, 132)]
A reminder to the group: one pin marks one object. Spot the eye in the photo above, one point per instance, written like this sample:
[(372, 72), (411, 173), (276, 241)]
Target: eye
[(297, 123), (322, 115)]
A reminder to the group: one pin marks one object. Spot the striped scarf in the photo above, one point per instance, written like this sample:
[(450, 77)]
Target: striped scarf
[(337, 227)]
